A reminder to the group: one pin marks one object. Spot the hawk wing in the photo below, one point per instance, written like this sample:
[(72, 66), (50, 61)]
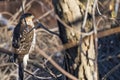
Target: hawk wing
[(16, 36)]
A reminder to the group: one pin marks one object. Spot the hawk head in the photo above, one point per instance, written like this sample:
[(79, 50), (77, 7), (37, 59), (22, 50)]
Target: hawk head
[(27, 19)]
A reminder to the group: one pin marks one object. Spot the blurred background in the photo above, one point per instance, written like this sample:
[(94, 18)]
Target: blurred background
[(10, 12)]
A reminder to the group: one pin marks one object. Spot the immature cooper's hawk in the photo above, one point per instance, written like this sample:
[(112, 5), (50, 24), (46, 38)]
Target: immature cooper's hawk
[(23, 41)]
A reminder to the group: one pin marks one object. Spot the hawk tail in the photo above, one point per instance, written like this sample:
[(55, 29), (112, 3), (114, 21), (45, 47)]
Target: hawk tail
[(20, 70)]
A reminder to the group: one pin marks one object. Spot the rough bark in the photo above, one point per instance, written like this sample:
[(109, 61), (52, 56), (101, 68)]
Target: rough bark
[(80, 60)]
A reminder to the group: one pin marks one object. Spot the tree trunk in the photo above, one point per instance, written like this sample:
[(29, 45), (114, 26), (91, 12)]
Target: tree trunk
[(79, 60)]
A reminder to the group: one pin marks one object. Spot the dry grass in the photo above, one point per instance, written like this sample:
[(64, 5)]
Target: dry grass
[(38, 66), (46, 41)]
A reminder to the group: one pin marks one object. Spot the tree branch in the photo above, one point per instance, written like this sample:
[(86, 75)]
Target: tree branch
[(55, 64), (6, 51), (46, 56)]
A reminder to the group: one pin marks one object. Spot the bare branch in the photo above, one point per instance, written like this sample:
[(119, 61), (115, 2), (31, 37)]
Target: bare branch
[(111, 71), (49, 59), (55, 64), (6, 51), (44, 15)]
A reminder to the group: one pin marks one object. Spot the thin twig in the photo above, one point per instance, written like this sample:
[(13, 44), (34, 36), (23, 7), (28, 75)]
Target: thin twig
[(95, 29), (117, 7), (36, 64), (78, 32), (6, 51), (32, 73), (86, 14), (110, 72), (55, 64), (5, 64), (8, 13), (44, 67), (44, 15), (38, 77), (109, 58)]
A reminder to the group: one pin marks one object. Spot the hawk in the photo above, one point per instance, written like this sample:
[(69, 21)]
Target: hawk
[(23, 41)]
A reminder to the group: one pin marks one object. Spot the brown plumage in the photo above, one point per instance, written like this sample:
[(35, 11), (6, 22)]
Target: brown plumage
[(23, 41)]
